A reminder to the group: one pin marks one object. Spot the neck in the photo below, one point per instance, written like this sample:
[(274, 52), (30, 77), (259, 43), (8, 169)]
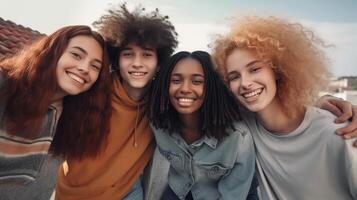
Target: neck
[(135, 94), (57, 97), (190, 130), (276, 120)]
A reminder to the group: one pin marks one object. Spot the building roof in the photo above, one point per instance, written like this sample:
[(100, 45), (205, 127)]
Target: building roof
[(13, 37)]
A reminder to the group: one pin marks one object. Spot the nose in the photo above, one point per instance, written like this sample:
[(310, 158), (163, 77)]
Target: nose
[(83, 67), (246, 82), (185, 87), (137, 63)]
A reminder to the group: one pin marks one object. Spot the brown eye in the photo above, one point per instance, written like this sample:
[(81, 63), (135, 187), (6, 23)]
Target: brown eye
[(255, 69), (175, 81), (197, 82), (126, 53), (148, 54), (96, 67), (233, 77), (76, 55)]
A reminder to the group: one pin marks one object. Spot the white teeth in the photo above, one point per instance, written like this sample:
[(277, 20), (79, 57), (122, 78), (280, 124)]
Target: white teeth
[(185, 100), (75, 77), (251, 94), (137, 73)]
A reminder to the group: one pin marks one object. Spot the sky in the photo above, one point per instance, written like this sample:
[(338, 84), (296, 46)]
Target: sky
[(199, 21)]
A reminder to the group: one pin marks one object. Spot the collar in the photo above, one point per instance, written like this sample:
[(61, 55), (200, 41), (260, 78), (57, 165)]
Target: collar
[(210, 141)]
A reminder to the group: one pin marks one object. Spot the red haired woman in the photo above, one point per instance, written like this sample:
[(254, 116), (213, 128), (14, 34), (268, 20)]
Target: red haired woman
[(54, 104), (275, 69)]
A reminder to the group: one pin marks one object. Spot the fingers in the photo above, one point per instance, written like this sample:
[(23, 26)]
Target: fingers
[(324, 102), (350, 131), (332, 108), (345, 107)]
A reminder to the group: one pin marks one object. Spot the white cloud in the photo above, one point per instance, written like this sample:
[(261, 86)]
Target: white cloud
[(197, 36)]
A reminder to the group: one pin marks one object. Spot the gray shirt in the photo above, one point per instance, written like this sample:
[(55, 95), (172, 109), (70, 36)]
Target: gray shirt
[(312, 162)]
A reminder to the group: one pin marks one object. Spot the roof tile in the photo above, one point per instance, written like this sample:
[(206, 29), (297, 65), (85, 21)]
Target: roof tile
[(14, 37)]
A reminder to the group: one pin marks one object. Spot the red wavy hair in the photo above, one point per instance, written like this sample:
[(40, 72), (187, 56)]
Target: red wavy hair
[(30, 83)]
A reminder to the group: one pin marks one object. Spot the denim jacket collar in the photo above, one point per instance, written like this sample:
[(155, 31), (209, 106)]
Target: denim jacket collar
[(210, 141)]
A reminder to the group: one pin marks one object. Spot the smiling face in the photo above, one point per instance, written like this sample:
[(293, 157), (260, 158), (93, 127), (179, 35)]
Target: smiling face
[(186, 88), (251, 80), (79, 66), (137, 66)]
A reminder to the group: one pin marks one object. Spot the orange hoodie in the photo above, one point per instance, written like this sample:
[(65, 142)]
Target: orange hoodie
[(113, 172)]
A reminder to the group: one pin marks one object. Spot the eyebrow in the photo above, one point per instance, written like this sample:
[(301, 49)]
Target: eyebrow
[(81, 49), (252, 63), (247, 65), (200, 75), (178, 74), (149, 49), (85, 52), (145, 48)]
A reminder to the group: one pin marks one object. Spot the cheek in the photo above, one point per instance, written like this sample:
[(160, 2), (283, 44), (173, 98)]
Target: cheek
[(153, 67), (201, 92), (59, 72), (122, 70), (123, 63), (233, 86), (272, 83), (172, 90), (95, 76)]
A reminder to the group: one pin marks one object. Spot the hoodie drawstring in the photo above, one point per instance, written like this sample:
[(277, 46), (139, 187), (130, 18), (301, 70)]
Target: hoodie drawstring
[(136, 123)]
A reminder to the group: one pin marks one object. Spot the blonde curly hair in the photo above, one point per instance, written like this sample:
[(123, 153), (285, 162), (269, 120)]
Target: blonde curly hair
[(295, 54)]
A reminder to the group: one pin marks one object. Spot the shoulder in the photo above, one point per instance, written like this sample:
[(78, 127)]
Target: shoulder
[(322, 118), (239, 141), (161, 136), (323, 121), (241, 130), (156, 130), (240, 136)]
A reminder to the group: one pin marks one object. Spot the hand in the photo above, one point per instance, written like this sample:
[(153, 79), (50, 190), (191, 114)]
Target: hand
[(344, 111)]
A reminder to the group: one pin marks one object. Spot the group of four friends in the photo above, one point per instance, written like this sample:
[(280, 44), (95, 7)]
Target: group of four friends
[(82, 112)]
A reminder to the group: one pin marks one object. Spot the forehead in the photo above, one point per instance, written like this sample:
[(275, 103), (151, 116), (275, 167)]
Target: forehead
[(239, 58), (188, 66), (83, 41), (88, 44), (136, 47)]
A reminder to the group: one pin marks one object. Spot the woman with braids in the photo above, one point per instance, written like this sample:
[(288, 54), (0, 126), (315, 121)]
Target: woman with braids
[(275, 69), (197, 128), (54, 98), (140, 44)]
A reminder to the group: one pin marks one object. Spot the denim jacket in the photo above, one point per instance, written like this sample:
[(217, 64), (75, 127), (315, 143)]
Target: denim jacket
[(209, 168), (27, 171)]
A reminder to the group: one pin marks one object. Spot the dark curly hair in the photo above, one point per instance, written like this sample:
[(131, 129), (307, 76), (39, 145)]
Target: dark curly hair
[(120, 27), (219, 109)]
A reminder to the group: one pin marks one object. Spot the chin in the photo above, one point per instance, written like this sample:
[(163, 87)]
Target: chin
[(74, 92), (252, 108)]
